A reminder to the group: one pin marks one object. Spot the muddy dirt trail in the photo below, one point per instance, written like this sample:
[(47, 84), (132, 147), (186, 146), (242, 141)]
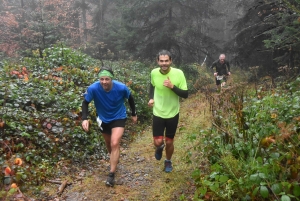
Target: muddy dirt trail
[(139, 175)]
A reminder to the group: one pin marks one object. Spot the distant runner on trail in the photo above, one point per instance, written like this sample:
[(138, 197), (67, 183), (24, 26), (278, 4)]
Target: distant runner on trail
[(109, 96), (221, 68), (167, 85)]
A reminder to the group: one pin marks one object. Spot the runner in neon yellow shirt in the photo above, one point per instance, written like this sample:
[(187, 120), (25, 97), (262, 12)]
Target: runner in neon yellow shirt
[(167, 85)]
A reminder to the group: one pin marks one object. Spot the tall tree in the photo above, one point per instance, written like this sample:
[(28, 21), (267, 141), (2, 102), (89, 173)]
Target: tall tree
[(101, 8), (102, 12), (268, 33), (9, 29), (36, 24), (84, 7), (39, 32), (284, 35), (178, 25)]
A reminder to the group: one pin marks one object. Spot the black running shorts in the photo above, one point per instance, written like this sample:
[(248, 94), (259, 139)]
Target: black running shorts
[(107, 127), (160, 125)]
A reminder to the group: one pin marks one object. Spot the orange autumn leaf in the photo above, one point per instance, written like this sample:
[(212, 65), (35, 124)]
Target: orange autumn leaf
[(7, 171), (24, 70), (26, 79), (18, 161), (13, 185), (14, 72), (58, 69), (267, 141), (129, 83)]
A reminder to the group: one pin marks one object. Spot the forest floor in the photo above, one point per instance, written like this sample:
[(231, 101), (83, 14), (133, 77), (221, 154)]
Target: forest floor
[(139, 175)]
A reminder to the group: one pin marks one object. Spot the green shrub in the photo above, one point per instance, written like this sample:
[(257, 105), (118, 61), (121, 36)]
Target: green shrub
[(40, 106), (253, 148)]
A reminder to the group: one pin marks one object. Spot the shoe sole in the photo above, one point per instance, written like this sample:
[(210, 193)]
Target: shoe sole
[(109, 184), (168, 171)]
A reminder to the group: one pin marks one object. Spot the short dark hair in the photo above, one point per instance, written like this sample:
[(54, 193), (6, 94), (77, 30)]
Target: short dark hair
[(109, 69), (164, 52)]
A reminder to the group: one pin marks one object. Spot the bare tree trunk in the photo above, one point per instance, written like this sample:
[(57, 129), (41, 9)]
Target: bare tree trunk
[(101, 18), (84, 39), (43, 42), (291, 59), (170, 19)]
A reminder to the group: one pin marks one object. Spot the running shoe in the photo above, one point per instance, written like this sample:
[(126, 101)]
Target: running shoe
[(168, 166), (158, 152), (110, 179)]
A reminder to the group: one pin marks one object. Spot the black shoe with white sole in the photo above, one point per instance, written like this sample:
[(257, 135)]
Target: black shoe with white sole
[(110, 179)]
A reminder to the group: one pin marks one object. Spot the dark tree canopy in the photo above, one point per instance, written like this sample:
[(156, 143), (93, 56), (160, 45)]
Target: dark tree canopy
[(148, 26), (260, 32), (268, 35)]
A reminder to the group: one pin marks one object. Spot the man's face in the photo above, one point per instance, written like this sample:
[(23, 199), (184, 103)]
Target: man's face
[(222, 59), (164, 62), (106, 83)]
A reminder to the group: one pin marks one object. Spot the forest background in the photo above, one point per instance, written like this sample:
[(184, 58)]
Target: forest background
[(51, 50)]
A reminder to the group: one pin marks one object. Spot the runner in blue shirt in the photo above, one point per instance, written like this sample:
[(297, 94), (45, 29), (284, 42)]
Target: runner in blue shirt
[(109, 97)]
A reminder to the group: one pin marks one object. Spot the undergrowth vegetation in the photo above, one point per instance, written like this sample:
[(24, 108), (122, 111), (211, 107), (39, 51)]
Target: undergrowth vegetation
[(40, 112), (252, 148)]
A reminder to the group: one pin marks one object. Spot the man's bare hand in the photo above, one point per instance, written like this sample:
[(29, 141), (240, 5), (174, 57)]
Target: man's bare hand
[(134, 119), (151, 103), (168, 83), (85, 125)]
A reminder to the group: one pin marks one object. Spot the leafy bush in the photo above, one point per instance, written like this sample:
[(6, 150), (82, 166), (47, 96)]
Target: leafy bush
[(253, 148), (198, 77), (59, 55), (40, 110)]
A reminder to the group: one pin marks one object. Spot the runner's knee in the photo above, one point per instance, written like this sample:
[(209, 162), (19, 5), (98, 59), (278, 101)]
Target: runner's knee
[(169, 139), (158, 140)]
